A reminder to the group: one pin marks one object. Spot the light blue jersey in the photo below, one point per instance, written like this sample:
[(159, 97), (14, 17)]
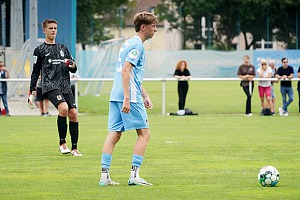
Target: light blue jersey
[(132, 51)]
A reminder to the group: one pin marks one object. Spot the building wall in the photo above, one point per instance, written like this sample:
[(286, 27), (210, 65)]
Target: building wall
[(65, 14)]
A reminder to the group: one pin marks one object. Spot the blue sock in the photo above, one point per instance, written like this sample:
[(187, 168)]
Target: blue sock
[(137, 160), (106, 160)]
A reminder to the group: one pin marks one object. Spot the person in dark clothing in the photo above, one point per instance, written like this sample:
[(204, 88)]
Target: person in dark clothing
[(246, 72), (183, 75), (3, 88), (54, 62), (285, 73)]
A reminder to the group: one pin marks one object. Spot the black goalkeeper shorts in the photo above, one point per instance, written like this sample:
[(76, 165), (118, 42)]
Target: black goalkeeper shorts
[(56, 97)]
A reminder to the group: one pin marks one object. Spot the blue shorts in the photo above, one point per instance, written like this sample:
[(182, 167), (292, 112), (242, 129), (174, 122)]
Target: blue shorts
[(119, 121)]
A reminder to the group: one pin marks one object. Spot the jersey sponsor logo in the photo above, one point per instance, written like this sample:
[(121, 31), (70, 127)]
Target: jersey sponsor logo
[(62, 53), (55, 61), (34, 59), (59, 97), (133, 54)]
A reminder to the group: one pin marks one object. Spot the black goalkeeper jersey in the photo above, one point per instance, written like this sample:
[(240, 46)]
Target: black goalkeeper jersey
[(49, 62)]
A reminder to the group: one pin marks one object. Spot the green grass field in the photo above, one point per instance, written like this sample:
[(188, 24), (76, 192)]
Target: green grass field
[(215, 155)]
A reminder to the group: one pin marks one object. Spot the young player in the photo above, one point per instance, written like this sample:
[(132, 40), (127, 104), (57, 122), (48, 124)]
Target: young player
[(128, 100), (54, 62)]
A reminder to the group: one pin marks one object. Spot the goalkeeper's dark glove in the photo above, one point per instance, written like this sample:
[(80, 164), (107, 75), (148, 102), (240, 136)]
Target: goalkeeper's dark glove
[(69, 63)]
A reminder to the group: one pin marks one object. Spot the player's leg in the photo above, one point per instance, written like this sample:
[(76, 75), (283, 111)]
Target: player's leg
[(137, 119), (137, 158), (57, 99), (73, 123), (107, 150), (115, 127)]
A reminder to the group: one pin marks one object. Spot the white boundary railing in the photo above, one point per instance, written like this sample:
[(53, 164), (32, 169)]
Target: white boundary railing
[(163, 80)]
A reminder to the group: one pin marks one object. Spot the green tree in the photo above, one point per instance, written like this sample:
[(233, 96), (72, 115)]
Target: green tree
[(96, 17), (268, 20)]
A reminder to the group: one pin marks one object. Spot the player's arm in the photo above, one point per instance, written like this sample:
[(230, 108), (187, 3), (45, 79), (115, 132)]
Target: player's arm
[(34, 78), (126, 70), (36, 70), (147, 101)]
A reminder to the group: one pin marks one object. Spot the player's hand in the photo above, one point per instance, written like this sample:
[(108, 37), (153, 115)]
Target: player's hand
[(126, 106), (69, 63), (30, 99), (148, 103)]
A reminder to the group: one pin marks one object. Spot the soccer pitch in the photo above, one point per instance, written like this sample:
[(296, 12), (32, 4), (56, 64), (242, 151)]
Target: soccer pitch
[(209, 156)]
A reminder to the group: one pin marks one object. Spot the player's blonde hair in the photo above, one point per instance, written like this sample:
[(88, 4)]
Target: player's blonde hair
[(143, 18)]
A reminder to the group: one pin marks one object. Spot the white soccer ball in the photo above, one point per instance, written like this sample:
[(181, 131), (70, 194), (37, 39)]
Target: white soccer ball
[(268, 176)]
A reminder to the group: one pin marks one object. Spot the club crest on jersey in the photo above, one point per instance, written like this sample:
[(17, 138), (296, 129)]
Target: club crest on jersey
[(62, 53), (59, 97), (133, 54)]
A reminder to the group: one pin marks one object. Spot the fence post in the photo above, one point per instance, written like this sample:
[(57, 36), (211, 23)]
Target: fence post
[(163, 97)]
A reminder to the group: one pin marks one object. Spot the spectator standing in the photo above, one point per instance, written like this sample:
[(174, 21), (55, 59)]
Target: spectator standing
[(4, 74), (273, 96), (183, 75), (285, 73), (264, 86), (246, 72)]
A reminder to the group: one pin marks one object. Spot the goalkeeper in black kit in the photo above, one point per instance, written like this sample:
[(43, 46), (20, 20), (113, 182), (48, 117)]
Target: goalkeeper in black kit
[(54, 62)]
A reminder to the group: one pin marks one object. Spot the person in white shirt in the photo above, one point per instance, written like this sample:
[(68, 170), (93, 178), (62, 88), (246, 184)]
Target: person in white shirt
[(264, 86)]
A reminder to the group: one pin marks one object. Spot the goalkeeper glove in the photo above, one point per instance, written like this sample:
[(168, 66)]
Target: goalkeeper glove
[(30, 100), (69, 63)]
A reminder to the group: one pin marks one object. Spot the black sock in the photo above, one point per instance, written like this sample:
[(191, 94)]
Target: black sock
[(74, 132), (62, 129)]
